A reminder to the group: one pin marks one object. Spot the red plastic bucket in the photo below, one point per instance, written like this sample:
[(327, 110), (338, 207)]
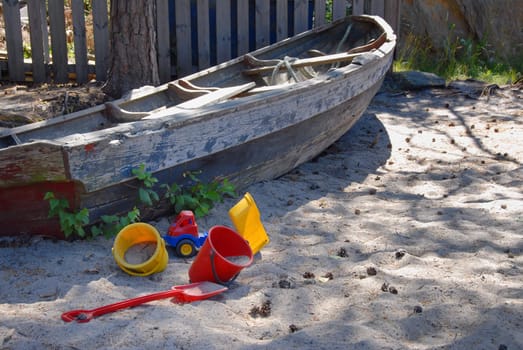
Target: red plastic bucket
[(221, 258)]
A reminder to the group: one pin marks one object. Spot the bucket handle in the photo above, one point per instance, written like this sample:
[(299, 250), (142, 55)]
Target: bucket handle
[(215, 274)]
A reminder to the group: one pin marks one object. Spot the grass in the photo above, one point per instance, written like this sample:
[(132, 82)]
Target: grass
[(458, 59)]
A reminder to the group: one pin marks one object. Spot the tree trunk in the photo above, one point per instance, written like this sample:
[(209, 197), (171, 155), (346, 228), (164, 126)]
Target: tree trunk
[(133, 59)]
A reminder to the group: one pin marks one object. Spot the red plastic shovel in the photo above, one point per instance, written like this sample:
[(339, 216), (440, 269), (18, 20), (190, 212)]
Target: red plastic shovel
[(182, 294)]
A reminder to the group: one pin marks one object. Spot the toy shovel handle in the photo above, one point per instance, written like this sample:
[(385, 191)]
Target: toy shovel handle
[(82, 316)]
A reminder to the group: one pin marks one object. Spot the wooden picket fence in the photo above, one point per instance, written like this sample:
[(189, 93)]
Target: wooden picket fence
[(191, 34)]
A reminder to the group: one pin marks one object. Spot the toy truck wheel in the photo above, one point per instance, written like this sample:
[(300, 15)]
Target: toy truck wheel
[(185, 248)]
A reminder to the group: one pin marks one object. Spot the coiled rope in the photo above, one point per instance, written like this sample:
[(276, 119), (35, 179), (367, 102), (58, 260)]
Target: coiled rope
[(287, 62)]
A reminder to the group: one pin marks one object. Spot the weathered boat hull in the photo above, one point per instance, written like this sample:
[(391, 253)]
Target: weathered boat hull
[(247, 139)]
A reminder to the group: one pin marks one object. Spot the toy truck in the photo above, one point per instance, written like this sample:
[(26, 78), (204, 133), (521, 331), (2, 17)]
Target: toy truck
[(183, 235)]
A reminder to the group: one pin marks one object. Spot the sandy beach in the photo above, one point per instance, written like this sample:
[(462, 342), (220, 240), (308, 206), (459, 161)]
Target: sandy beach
[(407, 233)]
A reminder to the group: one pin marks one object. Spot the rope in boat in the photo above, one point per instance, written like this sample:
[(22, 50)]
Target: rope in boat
[(287, 62), (342, 41)]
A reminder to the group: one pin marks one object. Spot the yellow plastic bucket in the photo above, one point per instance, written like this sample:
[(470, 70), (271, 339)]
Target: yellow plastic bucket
[(246, 219), (132, 238)]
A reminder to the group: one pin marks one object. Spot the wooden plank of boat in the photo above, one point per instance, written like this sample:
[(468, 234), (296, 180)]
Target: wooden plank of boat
[(120, 115), (19, 164), (370, 46), (184, 92), (217, 96), (54, 122), (204, 98), (190, 86)]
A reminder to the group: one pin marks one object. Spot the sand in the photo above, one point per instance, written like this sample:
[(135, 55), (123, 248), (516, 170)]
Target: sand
[(405, 234)]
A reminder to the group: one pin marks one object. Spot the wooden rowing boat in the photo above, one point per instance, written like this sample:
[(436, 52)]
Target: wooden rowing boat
[(253, 118)]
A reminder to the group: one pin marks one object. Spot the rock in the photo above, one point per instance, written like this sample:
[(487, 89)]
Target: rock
[(415, 80), (400, 254), (371, 271), (285, 284), (293, 328)]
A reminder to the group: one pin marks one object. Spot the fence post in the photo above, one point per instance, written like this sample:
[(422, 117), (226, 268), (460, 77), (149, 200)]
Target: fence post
[(101, 38), (183, 38), (392, 15), (204, 33), (377, 8), (223, 30), (15, 49), (263, 30), (282, 15), (163, 39), (301, 11), (58, 41), (39, 41), (319, 13), (338, 9), (358, 7), (242, 8), (80, 43)]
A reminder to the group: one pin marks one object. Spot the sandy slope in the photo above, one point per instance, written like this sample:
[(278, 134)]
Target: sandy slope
[(409, 229)]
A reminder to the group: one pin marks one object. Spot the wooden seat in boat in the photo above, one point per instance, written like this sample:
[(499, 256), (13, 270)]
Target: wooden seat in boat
[(119, 114)]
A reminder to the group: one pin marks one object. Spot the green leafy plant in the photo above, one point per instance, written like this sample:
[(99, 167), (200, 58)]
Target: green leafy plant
[(27, 51), (199, 196), (459, 58), (70, 223), (146, 194), (328, 11), (112, 224)]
